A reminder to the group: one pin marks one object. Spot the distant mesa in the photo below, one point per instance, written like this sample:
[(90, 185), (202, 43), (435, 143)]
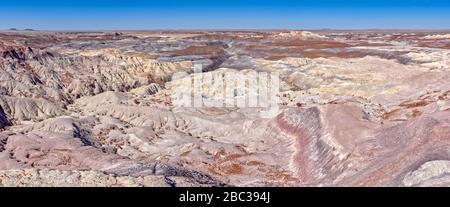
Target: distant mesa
[(27, 29)]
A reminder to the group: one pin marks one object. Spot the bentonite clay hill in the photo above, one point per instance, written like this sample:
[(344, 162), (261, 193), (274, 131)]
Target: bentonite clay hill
[(96, 109)]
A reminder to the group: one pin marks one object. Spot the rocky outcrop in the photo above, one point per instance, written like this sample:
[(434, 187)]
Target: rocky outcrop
[(25, 109), (74, 178), (4, 121)]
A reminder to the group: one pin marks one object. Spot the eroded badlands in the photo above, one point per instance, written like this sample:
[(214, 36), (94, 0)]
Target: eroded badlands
[(95, 109)]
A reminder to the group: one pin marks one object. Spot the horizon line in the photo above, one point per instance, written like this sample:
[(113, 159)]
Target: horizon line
[(221, 29)]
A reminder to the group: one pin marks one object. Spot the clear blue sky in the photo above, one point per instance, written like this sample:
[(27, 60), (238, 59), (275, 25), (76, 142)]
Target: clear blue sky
[(231, 14)]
